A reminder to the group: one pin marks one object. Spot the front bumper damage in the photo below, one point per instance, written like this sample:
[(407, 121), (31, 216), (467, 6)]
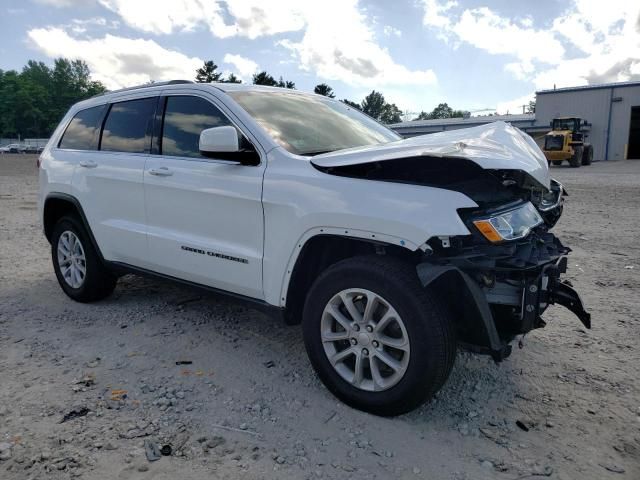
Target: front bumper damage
[(500, 291)]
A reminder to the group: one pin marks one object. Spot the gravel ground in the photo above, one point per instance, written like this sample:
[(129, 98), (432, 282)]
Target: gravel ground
[(247, 405)]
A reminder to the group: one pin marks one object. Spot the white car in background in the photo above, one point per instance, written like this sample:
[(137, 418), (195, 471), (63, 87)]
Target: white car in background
[(12, 148), (392, 253)]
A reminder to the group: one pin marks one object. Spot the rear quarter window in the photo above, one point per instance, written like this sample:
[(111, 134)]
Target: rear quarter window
[(82, 131)]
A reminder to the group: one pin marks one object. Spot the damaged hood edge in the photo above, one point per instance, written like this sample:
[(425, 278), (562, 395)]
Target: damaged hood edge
[(494, 146)]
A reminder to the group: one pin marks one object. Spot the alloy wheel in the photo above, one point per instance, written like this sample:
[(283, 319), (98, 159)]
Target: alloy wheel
[(365, 340), (71, 259)]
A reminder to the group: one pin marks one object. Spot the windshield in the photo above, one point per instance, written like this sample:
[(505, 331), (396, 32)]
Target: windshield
[(308, 125), (565, 124)]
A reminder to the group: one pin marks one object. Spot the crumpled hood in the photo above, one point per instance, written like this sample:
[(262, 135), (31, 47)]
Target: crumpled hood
[(494, 146)]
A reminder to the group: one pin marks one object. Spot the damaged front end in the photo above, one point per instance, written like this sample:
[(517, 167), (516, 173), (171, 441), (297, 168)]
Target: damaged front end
[(499, 279), (500, 290), (508, 269)]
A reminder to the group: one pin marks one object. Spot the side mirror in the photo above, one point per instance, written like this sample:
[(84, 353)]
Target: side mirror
[(223, 143), (219, 140)]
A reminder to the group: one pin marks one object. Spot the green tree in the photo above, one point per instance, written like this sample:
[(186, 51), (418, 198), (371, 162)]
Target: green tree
[(374, 105), (263, 78), (351, 104), (324, 89), (443, 110), (377, 107), (33, 101), (531, 108), (231, 79), (286, 84), (391, 114), (9, 91), (207, 73)]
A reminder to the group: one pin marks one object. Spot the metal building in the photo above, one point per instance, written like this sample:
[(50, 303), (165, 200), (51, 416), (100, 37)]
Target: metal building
[(421, 127), (612, 113), (612, 109)]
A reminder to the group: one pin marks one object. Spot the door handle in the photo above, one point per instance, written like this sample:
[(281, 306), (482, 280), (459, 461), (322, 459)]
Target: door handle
[(161, 172), (88, 163)]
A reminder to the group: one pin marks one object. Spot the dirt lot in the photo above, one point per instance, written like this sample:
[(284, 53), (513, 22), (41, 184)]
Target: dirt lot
[(249, 405)]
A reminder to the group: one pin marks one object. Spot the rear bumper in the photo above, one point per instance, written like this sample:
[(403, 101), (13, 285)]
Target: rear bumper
[(500, 291)]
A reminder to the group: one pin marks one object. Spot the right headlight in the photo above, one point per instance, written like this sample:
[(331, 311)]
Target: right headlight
[(509, 225)]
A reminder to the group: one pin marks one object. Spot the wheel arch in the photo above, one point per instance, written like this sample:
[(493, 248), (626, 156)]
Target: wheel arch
[(472, 314), (56, 206), (322, 247)]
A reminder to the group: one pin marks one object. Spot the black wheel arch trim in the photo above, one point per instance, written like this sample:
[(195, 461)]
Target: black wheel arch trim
[(486, 331), (83, 218)]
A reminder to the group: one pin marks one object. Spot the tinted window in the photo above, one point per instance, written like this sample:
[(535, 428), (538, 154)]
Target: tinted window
[(311, 124), (184, 119), (81, 134), (127, 128)]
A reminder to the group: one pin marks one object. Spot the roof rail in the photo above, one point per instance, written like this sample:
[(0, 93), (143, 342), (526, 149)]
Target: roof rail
[(151, 84)]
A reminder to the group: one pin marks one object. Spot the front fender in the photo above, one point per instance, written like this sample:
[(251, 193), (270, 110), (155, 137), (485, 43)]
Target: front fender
[(373, 237), (299, 201)]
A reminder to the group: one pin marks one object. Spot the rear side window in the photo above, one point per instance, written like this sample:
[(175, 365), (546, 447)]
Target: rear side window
[(128, 126), (82, 132), (184, 118)]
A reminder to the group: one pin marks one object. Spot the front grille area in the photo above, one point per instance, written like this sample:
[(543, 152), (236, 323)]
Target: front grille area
[(532, 252), (554, 142)]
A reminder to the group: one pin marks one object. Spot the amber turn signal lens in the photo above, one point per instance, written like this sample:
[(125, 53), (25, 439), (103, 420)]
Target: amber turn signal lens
[(488, 230)]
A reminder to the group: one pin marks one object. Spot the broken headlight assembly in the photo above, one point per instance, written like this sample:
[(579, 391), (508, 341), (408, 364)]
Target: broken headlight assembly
[(511, 224), (552, 198)]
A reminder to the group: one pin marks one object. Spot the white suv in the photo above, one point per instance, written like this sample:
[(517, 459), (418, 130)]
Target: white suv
[(391, 252)]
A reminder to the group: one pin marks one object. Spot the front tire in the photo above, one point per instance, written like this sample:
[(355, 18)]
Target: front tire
[(376, 337), (77, 265)]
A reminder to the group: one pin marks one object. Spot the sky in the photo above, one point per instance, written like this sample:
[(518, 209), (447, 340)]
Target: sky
[(472, 54)]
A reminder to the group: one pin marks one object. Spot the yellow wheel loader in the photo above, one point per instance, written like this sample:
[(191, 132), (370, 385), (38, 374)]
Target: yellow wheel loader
[(565, 141)]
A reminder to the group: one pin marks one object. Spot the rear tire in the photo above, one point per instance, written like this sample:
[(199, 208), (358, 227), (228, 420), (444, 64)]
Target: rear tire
[(420, 364), (587, 155), (76, 262), (576, 159)]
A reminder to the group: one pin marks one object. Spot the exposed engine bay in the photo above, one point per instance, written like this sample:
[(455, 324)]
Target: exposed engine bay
[(488, 188)]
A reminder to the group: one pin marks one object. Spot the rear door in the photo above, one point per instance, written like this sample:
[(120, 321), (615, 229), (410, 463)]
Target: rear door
[(204, 215), (108, 181)]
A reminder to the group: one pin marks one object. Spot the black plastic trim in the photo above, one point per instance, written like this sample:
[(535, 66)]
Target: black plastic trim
[(566, 296), (494, 346), (74, 201)]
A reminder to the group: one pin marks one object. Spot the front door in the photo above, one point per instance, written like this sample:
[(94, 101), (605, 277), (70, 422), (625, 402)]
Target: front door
[(204, 216)]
